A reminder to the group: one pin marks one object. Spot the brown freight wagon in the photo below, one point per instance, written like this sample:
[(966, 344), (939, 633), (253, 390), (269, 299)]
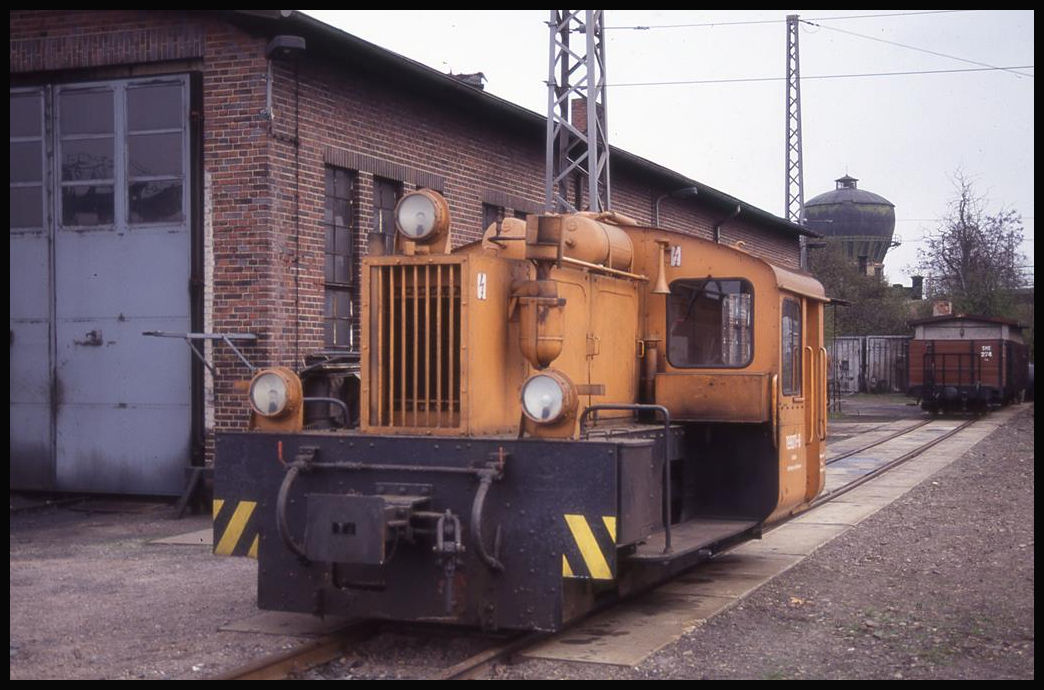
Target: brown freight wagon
[(967, 363)]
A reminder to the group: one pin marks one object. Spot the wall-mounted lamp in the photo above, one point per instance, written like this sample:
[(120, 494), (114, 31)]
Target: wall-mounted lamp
[(683, 193), (285, 46)]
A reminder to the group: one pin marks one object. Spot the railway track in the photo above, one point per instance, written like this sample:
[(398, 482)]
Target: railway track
[(886, 456), (901, 432), (323, 650), (868, 460)]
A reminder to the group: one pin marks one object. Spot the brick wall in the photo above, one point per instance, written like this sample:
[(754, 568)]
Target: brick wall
[(264, 161), (249, 247)]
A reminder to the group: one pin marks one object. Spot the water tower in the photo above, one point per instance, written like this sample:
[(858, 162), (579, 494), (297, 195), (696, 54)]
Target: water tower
[(863, 222)]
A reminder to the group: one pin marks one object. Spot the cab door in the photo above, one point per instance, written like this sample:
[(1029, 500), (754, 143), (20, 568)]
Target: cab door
[(814, 369), (794, 404), (802, 401)]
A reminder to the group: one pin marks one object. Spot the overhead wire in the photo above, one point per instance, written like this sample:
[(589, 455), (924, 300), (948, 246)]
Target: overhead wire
[(822, 76), (811, 22), (774, 21), (921, 50), (982, 67)]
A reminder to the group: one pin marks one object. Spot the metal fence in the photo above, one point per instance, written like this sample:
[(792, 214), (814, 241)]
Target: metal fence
[(869, 364)]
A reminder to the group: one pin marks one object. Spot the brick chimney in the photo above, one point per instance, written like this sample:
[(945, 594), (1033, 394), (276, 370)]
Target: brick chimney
[(578, 114), (916, 287)]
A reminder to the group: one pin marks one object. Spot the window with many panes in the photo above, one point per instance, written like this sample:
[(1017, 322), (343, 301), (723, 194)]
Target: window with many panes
[(790, 373), (339, 222), (122, 153), (386, 194), (119, 160), (155, 171), (27, 160), (710, 323), (87, 144)]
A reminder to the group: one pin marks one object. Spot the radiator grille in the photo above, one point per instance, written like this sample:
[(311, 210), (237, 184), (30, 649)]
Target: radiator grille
[(415, 346)]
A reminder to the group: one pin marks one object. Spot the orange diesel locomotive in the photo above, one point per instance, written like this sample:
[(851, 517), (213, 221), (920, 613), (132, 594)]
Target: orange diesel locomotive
[(569, 409)]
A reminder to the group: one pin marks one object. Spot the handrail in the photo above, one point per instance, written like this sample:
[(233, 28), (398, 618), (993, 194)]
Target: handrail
[(774, 402), (636, 407), (332, 401), (812, 407), (823, 403)]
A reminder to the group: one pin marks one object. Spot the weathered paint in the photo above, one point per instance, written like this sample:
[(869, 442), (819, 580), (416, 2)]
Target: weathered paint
[(95, 405)]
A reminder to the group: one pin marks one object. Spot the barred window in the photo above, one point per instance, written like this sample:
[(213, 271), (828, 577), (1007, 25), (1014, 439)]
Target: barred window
[(341, 226), (386, 194)]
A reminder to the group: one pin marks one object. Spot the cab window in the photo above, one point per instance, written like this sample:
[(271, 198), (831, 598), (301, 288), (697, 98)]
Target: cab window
[(790, 367), (710, 323)]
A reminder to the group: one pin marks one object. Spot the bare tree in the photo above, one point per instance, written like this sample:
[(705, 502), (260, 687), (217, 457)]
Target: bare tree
[(972, 258)]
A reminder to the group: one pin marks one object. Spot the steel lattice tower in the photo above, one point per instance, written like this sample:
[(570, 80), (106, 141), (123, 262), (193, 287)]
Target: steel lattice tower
[(795, 187), (795, 184), (576, 139)]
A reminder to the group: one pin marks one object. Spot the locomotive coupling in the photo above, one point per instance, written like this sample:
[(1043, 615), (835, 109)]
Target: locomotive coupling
[(366, 530), (448, 551)]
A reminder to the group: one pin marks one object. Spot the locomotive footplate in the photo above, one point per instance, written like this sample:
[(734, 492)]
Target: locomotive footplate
[(692, 541), (478, 532)]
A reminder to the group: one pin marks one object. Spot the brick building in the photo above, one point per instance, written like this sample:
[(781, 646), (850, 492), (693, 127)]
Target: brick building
[(222, 172)]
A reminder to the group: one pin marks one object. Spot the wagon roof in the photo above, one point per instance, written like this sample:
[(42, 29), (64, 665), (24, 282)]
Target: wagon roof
[(966, 317)]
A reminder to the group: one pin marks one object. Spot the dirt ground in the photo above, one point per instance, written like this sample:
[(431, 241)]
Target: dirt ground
[(938, 585), (92, 597)]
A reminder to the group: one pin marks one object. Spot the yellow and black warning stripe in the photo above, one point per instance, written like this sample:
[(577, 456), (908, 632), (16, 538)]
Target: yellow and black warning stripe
[(591, 553), (235, 528)]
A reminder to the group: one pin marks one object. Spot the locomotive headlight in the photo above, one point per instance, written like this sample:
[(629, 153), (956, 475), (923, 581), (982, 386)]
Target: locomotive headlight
[(549, 396), (275, 391), (422, 215)]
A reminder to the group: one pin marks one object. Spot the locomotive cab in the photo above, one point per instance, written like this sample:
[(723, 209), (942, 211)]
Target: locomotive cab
[(572, 407)]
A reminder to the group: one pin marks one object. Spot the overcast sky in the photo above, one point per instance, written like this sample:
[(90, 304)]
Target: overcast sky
[(703, 93)]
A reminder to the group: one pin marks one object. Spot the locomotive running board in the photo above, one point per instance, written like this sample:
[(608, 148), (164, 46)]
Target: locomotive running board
[(688, 538)]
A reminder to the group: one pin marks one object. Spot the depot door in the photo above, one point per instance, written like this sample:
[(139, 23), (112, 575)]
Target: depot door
[(100, 252)]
